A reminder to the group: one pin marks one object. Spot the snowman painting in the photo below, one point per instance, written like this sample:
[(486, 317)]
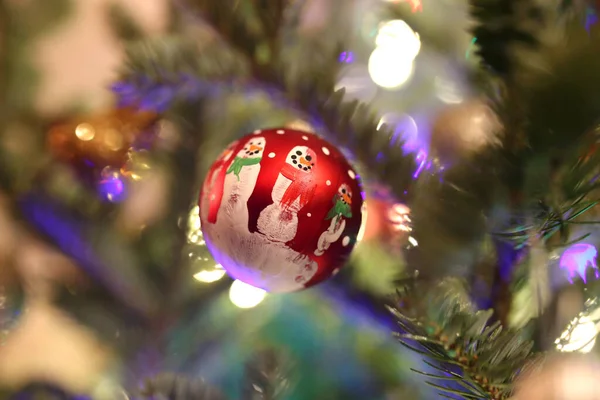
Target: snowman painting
[(214, 184), (294, 188), (240, 181), (340, 210)]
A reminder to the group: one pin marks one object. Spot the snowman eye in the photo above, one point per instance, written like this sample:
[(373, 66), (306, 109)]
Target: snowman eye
[(299, 152), (308, 158), (344, 191)]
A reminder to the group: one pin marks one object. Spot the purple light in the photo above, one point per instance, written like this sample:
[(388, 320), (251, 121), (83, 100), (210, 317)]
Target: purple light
[(591, 19), (346, 57), (112, 188), (422, 158), (576, 260)]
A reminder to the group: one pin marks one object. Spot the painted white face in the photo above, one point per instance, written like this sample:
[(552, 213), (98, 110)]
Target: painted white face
[(302, 157), (253, 148), (345, 194)]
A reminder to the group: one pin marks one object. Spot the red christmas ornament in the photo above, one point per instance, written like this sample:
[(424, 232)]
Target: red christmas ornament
[(281, 209)]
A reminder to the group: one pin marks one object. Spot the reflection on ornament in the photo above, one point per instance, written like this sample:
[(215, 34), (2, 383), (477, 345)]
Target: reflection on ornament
[(210, 276), (580, 336), (111, 185), (243, 295), (390, 69), (398, 37), (399, 216), (577, 258), (194, 232)]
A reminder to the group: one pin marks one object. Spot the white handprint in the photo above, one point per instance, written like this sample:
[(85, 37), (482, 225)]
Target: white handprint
[(331, 235)]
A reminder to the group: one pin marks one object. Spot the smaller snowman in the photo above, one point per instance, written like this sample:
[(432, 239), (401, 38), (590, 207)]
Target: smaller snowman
[(240, 181), (294, 188), (212, 191), (340, 210)]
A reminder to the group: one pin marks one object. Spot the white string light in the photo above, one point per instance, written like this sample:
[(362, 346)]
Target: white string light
[(243, 295)]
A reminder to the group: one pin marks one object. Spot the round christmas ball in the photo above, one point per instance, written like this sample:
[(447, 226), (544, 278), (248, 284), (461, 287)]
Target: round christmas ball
[(281, 209)]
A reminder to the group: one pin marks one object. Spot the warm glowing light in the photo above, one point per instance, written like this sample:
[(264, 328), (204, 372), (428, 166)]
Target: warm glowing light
[(210, 276), (399, 216), (396, 35), (85, 132), (389, 69), (243, 295), (579, 337), (113, 139)]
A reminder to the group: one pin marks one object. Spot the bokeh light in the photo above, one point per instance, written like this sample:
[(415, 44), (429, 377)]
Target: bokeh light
[(398, 36), (243, 295), (111, 185), (210, 275), (389, 68), (579, 337), (85, 132), (405, 130)]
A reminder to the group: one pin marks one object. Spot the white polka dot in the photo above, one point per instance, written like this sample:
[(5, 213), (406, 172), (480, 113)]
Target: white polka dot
[(256, 132), (212, 196), (280, 132), (328, 183), (335, 272), (309, 215), (351, 174), (304, 137), (346, 241), (271, 155), (326, 151)]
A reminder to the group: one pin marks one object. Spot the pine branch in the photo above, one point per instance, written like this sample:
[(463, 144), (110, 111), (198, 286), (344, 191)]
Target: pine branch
[(123, 24), (467, 356), (501, 28), (268, 376), (175, 387), (252, 26), (154, 80)]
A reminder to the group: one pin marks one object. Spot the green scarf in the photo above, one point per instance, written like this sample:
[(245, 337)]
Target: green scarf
[(339, 208), (239, 163)]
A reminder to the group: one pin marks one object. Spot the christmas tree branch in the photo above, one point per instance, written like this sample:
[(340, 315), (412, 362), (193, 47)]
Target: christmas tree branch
[(307, 88), (123, 24), (268, 376), (468, 357)]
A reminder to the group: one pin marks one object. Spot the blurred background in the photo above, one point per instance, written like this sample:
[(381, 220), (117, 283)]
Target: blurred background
[(339, 344)]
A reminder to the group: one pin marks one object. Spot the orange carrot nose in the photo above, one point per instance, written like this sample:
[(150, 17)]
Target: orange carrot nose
[(304, 161), (254, 147), (347, 198)]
